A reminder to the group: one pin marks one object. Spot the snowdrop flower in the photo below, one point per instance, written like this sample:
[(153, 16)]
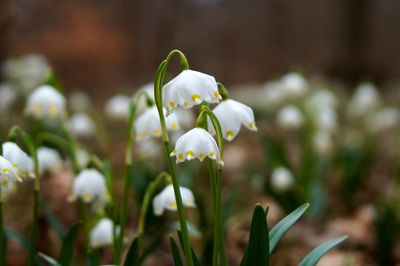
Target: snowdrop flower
[(117, 107), (148, 148), (8, 174), (102, 234), (83, 157), (49, 159), (196, 143), (290, 117), (273, 93), (281, 179), (383, 119), (148, 124), (81, 125), (326, 119), (7, 97), (90, 186), (190, 88), (46, 103), (364, 99), (166, 200), (294, 85), (142, 103), (321, 99), (185, 118), (231, 115), (21, 162), (322, 142)]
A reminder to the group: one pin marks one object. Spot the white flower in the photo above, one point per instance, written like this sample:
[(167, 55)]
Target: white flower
[(290, 117), (190, 88), (46, 103), (21, 162), (83, 157), (8, 174), (281, 179), (185, 118), (365, 99), (81, 125), (321, 99), (326, 119), (294, 85), (322, 142), (385, 118), (166, 200), (90, 186), (196, 143), (8, 96), (117, 107), (142, 102), (148, 124), (231, 115), (102, 234), (49, 159)]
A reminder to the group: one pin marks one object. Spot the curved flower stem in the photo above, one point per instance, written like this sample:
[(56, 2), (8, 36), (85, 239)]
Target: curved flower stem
[(158, 83), (127, 180), (223, 91), (14, 131)]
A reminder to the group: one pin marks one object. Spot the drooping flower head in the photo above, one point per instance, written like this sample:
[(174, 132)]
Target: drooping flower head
[(49, 159), (102, 234), (190, 88), (148, 124), (231, 115), (8, 173), (117, 107), (21, 162), (282, 179), (46, 103), (81, 125), (196, 143), (290, 117), (165, 200), (90, 186)]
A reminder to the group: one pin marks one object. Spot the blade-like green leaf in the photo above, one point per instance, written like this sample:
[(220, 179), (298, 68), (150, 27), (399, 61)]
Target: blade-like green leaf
[(67, 248), (53, 221), (196, 260), (49, 260), (175, 252), (132, 258), (283, 226), (257, 250), (21, 240), (316, 254)]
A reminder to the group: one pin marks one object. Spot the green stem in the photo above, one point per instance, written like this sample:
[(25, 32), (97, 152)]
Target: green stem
[(214, 196), (218, 220), (159, 79), (2, 236)]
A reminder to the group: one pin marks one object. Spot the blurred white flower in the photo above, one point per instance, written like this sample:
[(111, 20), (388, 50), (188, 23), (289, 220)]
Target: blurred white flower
[(83, 157), (148, 124), (326, 119), (294, 85), (90, 186), (232, 115), (102, 234), (196, 143), (273, 93), (290, 117), (365, 99), (165, 200), (46, 103), (190, 88), (385, 118), (117, 107), (21, 162), (281, 179), (8, 173), (49, 159), (79, 101), (185, 118), (148, 148), (8, 96), (321, 99), (81, 124), (142, 102), (322, 142)]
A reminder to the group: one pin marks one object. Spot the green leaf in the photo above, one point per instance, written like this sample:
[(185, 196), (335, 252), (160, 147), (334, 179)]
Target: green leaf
[(283, 226), (196, 260), (49, 260), (175, 252), (22, 241), (3, 248), (316, 254), (132, 258), (67, 248), (53, 221), (257, 253)]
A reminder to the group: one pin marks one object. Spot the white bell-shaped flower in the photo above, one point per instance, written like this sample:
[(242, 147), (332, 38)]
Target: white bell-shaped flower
[(46, 103), (322, 142), (90, 186), (326, 119), (81, 125), (294, 85), (365, 99), (321, 99), (8, 96), (49, 159), (8, 174), (231, 115), (190, 88), (142, 102), (281, 179), (290, 117), (102, 234), (196, 143), (21, 162), (117, 107), (165, 200), (383, 119), (148, 124)]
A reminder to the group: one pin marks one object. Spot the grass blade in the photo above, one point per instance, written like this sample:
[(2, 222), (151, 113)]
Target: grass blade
[(67, 248), (175, 252), (132, 258), (49, 260)]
